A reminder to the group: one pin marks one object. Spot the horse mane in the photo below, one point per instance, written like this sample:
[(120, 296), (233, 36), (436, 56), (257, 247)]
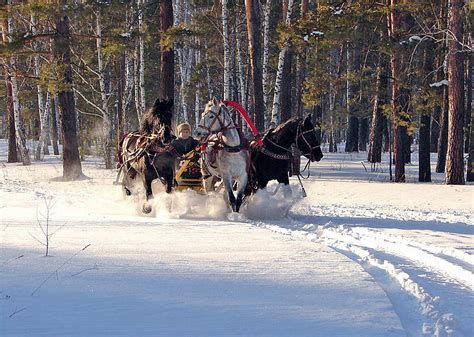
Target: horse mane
[(283, 128), (160, 113)]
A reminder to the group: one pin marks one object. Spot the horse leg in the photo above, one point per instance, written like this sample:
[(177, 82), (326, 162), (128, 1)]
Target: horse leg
[(230, 193), (169, 183), (242, 187), (149, 176), (287, 192), (209, 184)]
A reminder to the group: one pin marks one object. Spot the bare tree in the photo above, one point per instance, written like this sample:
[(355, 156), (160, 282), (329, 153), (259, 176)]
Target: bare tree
[(44, 223)]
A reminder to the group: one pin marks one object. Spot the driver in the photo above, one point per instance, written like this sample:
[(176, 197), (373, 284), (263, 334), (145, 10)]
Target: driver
[(184, 143), (186, 146)]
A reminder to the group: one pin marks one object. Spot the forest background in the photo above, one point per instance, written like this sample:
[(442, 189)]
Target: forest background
[(376, 76)]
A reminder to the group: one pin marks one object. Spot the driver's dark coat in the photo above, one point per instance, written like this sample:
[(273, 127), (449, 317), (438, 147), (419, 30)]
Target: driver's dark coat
[(183, 146)]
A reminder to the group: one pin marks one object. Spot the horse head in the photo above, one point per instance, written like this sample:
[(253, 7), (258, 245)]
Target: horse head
[(158, 119), (214, 119), (307, 140)]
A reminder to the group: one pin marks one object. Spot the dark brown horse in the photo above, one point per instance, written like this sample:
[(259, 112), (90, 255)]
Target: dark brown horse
[(147, 154), (271, 161)]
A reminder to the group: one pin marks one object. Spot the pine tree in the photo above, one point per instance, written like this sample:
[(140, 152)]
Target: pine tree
[(72, 168), (454, 160)]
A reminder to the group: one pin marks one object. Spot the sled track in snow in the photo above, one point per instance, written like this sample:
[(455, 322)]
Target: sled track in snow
[(400, 258)]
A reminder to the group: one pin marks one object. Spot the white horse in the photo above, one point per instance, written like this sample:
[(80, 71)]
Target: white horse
[(225, 156)]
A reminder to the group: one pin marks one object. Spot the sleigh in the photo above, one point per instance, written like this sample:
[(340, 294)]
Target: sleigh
[(188, 175)]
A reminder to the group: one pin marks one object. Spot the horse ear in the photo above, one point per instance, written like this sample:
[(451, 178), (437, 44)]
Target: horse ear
[(157, 102), (307, 120), (215, 101)]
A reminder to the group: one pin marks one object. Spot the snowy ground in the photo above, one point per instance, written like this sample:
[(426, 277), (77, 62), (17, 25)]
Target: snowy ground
[(357, 257)]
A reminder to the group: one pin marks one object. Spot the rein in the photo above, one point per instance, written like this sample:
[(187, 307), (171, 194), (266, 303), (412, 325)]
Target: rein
[(223, 127)]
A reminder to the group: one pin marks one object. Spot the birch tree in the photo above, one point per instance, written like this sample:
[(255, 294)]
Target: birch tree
[(266, 40), (43, 102), (7, 33), (240, 62), (139, 63), (227, 54), (106, 115), (276, 110)]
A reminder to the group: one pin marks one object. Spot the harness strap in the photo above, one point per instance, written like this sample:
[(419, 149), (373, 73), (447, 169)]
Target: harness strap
[(274, 155)]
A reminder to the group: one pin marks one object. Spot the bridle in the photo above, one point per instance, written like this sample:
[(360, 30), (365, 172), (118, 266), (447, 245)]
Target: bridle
[(161, 134), (217, 117), (301, 133)]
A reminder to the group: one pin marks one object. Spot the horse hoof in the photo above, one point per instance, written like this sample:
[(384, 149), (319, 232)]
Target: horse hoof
[(146, 209)]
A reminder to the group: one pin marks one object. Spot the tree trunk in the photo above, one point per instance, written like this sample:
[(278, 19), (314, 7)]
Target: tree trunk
[(54, 126), (167, 54), (240, 63), (277, 99), (443, 135), (454, 158), (300, 69), (436, 116), (226, 41), (12, 146), (253, 31), (470, 113), (42, 112), (106, 115), (353, 65), (72, 168), (363, 133), (424, 165), (424, 168), (286, 86), (11, 68), (434, 132), (467, 119), (266, 39), (386, 134), (141, 54), (398, 132), (376, 133), (332, 99)]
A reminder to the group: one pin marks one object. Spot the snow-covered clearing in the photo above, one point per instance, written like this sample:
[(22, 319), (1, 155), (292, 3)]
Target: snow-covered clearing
[(357, 257)]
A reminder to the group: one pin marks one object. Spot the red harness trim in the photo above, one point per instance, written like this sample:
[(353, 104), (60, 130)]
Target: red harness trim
[(247, 119)]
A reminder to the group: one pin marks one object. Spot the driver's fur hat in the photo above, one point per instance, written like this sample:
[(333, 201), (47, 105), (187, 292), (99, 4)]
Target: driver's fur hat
[(183, 126)]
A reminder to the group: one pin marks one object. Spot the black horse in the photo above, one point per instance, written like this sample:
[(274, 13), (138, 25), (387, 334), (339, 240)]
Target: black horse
[(271, 161), (147, 154)]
